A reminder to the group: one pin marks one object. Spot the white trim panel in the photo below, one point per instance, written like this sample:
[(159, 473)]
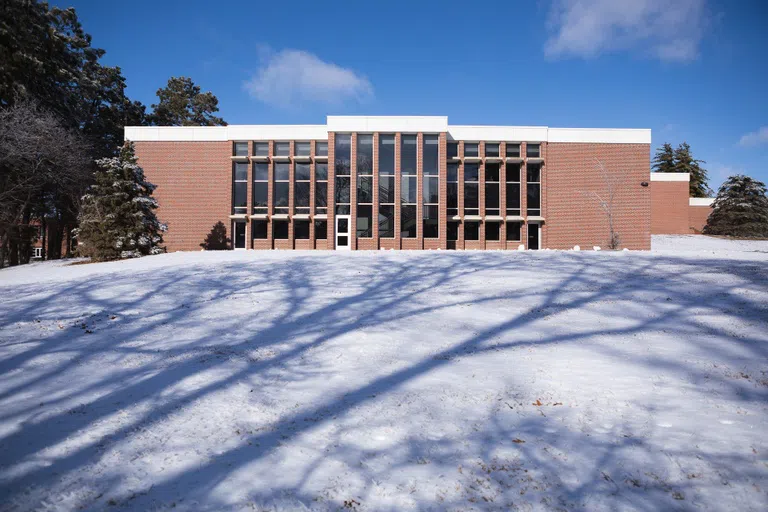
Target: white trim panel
[(600, 135), (670, 176), (408, 124), (700, 201), (498, 133)]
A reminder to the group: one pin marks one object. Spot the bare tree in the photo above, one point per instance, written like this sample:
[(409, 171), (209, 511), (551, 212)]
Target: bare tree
[(606, 200), (41, 162)]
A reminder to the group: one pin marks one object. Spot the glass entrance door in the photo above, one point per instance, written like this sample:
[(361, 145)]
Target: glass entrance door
[(533, 236), (239, 238), (342, 232)]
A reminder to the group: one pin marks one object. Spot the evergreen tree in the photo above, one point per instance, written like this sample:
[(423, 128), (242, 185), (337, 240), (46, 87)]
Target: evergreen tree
[(684, 162), (117, 217), (740, 209), (181, 103), (664, 161), (217, 239)]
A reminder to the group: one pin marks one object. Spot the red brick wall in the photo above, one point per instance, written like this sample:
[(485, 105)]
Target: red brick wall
[(194, 188), (697, 218), (669, 208), (571, 176)]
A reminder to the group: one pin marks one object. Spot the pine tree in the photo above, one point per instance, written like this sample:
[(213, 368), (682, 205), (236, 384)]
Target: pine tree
[(181, 103), (664, 161), (740, 209), (684, 162), (117, 218), (217, 239)]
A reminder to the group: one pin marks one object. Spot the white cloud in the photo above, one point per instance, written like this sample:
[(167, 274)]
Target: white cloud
[(755, 138), (663, 29), (292, 77)]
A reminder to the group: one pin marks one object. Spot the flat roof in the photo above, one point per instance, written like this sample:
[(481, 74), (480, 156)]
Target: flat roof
[(402, 124)]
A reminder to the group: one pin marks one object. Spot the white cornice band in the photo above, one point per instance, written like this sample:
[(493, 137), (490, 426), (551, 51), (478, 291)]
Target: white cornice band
[(670, 176), (401, 124), (700, 201)]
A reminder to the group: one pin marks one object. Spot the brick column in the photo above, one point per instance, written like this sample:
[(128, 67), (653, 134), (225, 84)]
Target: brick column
[(443, 194), (419, 190), (249, 200), (331, 191), (398, 177), (543, 179), (271, 197), (375, 207), (524, 193), (353, 192), (312, 240), (481, 194), (503, 194), (291, 195), (460, 241)]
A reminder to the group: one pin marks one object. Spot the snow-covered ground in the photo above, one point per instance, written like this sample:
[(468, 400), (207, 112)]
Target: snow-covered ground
[(389, 381)]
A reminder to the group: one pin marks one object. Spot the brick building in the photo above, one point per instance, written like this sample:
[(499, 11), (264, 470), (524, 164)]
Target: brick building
[(400, 183)]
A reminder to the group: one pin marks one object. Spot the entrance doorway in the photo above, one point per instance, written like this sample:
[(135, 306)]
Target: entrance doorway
[(239, 236), (534, 239), (343, 226)]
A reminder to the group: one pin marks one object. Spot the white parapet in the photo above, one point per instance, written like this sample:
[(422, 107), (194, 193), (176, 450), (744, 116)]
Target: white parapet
[(670, 176), (701, 201)]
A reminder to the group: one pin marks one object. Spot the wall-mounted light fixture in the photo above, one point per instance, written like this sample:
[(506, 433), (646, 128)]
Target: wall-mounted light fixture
[(644, 184)]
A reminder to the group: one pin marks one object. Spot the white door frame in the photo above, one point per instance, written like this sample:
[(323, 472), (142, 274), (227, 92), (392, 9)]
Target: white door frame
[(337, 233)]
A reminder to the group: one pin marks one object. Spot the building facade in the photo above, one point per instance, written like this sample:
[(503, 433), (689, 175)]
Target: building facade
[(673, 212), (372, 183)]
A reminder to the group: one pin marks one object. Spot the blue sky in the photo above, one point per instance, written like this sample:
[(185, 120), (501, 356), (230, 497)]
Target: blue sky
[(692, 70)]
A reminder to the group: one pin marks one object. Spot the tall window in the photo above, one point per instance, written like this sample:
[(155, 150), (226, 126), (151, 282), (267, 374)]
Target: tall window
[(342, 154), (302, 148), (513, 189), (282, 187), (240, 149), (282, 149), (452, 150), (386, 170), (364, 185), (301, 187), (533, 150), (321, 148), (513, 150), (321, 188), (240, 187), (492, 187), (429, 189), (471, 149), (491, 149), (471, 186), (453, 189), (261, 187), (408, 186), (533, 185), (513, 231)]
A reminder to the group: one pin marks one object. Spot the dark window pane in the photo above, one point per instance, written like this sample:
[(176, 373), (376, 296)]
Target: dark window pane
[(301, 229), (491, 172), (513, 172), (534, 172), (259, 229), (301, 194), (241, 171), (239, 235), (343, 225), (513, 231), (429, 190), (302, 148), (282, 148), (453, 172), (261, 171), (470, 195), (261, 148), (534, 196), (513, 196), (532, 150), (321, 194), (302, 172), (408, 154), (408, 221), (452, 149), (260, 193), (453, 195), (342, 190), (471, 172), (386, 154), (513, 150), (321, 149), (241, 195), (408, 189), (492, 230), (342, 209), (365, 189), (431, 223), (492, 196), (470, 149), (471, 231), (321, 229), (387, 189), (342, 153), (281, 229), (241, 149), (321, 171), (365, 221), (342, 240), (281, 194), (386, 221), (282, 171), (491, 149), (431, 151), (364, 154), (453, 231)]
